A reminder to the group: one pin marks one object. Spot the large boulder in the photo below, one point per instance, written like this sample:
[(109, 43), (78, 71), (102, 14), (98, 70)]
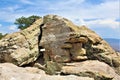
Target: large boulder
[(54, 40), (69, 77), (65, 42), (92, 68), (21, 47), (9, 71)]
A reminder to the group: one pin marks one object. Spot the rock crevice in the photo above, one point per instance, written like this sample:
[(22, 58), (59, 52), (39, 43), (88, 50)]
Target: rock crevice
[(57, 46)]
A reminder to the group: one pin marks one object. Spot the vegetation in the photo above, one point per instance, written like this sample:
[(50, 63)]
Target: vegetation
[(1, 35), (24, 22)]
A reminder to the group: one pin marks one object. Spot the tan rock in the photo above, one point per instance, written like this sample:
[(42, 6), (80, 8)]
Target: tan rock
[(66, 46), (83, 40), (95, 69), (116, 61), (60, 31), (9, 71), (78, 53), (69, 77), (21, 47), (53, 67)]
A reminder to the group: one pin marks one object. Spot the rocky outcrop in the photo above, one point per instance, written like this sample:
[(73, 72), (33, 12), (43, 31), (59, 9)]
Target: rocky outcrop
[(11, 72), (21, 47), (65, 42), (92, 68), (62, 41), (57, 46)]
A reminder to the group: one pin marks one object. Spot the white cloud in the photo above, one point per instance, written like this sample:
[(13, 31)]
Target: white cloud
[(65, 5), (8, 29), (0, 25), (26, 1), (108, 23), (99, 23), (13, 28), (79, 21), (8, 13), (11, 8), (105, 12), (3, 32), (10, 17), (108, 9), (70, 9)]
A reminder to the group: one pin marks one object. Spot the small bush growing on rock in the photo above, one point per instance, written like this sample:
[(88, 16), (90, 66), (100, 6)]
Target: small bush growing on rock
[(24, 22)]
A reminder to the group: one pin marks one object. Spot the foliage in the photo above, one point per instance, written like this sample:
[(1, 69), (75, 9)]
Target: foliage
[(24, 22), (1, 35)]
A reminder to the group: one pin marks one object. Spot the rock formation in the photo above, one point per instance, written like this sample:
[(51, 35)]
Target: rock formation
[(92, 68), (11, 72), (21, 47), (57, 46)]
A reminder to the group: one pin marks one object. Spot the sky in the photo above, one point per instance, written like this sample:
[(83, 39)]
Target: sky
[(102, 16)]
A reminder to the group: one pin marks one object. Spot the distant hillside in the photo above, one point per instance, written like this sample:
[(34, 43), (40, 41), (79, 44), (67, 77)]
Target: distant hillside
[(115, 43)]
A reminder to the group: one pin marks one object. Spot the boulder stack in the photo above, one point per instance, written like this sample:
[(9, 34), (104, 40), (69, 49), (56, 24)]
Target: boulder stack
[(57, 46)]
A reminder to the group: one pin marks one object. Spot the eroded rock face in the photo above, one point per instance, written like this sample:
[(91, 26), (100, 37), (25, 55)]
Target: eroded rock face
[(53, 41), (65, 42), (93, 68), (21, 47), (61, 42), (9, 71)]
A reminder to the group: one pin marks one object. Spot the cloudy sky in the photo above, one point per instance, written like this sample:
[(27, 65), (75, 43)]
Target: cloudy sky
[(102, 16)]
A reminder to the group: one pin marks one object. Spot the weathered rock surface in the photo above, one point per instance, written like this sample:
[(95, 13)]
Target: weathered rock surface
[(9, 71), (51, 43), (63, 33), (93, 68), (70, 77), (65, 42), (21, 47)]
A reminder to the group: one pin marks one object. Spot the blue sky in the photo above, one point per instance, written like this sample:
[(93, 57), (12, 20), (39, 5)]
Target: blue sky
[(102, 16)]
